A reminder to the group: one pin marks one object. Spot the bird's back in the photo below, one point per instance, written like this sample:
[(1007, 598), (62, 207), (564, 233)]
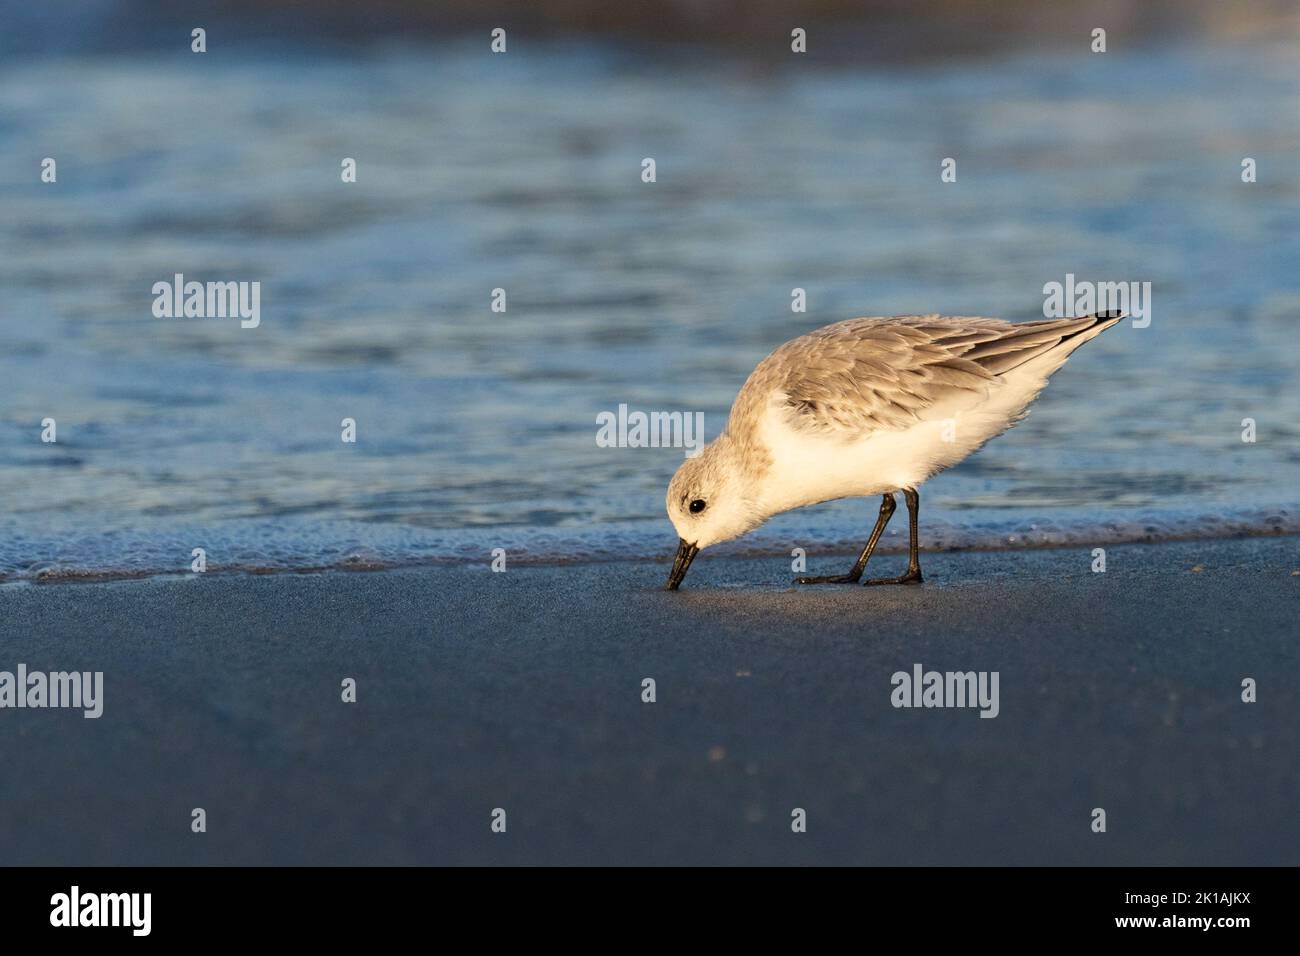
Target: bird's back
[(869, 374), (876, 404)]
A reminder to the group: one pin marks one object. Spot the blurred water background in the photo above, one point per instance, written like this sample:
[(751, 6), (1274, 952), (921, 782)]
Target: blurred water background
[(476, 429)]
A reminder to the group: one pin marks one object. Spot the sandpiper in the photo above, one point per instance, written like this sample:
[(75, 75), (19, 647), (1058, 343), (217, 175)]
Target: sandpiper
[(868, 406)]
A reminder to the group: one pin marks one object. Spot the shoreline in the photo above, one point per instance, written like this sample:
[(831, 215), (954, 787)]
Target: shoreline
[(523, 690), (758, 545)]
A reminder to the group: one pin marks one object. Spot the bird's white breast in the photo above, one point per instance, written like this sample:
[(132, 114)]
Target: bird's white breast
[(808, 467)]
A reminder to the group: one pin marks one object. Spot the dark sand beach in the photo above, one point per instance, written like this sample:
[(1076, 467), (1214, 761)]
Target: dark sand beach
[(522, 690)]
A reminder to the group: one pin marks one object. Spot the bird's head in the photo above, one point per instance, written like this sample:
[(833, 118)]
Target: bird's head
[(709, 501)]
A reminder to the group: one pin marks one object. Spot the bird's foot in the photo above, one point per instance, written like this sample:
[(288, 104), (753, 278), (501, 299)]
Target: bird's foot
[(830, 579), (911, 577)]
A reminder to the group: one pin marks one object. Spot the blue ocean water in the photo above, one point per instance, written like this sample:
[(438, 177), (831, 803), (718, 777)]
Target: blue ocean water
[(477, 429)]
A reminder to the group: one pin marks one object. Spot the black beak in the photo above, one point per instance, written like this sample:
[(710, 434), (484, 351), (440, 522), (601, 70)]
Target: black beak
[(685, 555)]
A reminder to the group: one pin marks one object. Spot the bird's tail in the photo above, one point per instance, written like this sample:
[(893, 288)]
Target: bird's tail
[(1044, 344), (1099, 323), (1096, 324)]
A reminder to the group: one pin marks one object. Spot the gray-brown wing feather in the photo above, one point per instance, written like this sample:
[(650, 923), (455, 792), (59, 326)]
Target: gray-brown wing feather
[(870, 374)]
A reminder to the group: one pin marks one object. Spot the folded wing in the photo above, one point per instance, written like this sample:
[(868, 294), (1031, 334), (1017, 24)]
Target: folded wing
[(869, 374)]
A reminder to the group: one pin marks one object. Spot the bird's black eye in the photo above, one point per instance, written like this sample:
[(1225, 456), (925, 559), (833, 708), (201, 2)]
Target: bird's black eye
[(697, 506)]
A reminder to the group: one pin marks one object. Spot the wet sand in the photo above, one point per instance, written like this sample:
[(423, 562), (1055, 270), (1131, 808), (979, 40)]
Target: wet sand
[(523, 690)]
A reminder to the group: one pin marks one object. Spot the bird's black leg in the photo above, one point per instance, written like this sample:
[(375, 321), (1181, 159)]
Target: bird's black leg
[(887, 506), (913, 573)]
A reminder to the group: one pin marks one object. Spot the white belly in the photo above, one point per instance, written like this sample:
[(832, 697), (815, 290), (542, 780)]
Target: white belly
[(811, 467)]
